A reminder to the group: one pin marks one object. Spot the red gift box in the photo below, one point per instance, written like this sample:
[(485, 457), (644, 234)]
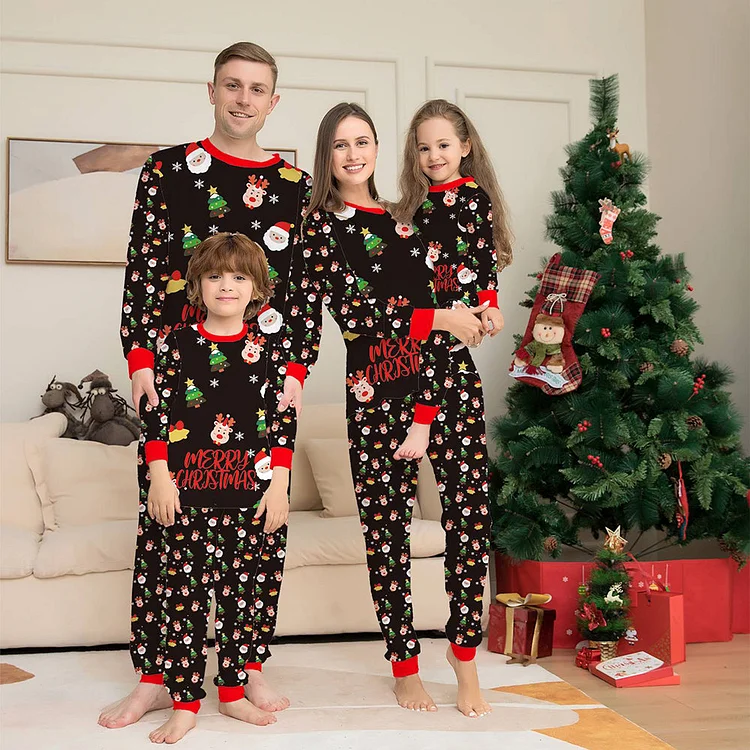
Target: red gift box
[(659, 620), (700, 582), (530, 629), (740, 599)]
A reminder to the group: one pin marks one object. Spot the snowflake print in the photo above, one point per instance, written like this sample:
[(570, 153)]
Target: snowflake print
[(239, 436), (463, 199), (253, 378), (425, 221), (199, 185), (176, 167), (453, 216), (213, 229), (376, 268), (351, 229), (201, 340), (214, 383), (640, 584), (170, 237), (250, 452), (568, 632), (565, 579), (255, 224), (658, 575), (273, 198), (415, 252)]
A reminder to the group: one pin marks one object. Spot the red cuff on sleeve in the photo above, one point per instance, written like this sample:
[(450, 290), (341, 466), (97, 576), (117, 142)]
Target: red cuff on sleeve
[(296, 370), (463, 653), (280, 457), (253, 666), (153, 679), (421, 323), (138, 359), (231, 694), (193, 706), (406, 667), (156, 450), (425, 414), (488, 295)]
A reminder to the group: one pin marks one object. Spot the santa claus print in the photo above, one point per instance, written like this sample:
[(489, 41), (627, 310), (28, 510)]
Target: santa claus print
[(263, 468), (269, 319), (277, 237), (197, 158), (466, 275)]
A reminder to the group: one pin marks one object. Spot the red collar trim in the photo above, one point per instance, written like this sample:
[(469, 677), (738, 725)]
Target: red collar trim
[(450, 185), (213, 337), (365, 208), (236, 161)]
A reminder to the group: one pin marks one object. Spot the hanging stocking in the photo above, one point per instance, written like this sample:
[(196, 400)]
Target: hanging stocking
[(546, 358), (609, 212)]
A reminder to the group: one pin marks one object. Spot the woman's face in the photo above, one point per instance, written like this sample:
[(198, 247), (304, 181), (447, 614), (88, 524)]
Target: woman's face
[(354, 152)]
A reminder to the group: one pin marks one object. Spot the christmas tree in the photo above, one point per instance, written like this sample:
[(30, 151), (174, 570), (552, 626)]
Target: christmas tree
[(190, 240), (602, 613), (260, 424), (650, 439), (373, 244), (193, 395), (217, 359), (217, 206)]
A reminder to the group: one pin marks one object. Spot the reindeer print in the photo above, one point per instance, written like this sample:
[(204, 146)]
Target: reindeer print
[(361, 387), (256, 189), (222, 429)]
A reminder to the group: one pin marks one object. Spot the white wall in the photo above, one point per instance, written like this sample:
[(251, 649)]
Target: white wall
[(698, 89), (136, 72)]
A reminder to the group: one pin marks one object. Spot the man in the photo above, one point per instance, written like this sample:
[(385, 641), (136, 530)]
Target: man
[(186, 193)]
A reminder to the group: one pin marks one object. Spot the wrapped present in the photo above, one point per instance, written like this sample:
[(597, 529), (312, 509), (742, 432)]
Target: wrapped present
[(522, 632), (657, 627), (699, 581), (740, 599), (587, 656)]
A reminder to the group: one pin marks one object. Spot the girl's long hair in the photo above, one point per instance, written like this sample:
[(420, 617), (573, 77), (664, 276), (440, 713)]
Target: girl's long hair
[(414, 184), (325, 192)]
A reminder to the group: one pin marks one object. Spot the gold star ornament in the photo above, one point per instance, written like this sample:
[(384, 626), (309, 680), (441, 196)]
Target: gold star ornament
[(614, 541)]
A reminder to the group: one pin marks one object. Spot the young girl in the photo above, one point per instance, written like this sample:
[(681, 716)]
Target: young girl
[(219, 457), (372, 274), (450, 192)]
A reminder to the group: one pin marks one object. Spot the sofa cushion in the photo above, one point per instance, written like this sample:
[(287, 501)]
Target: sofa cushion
[(18, 551), (77, 550), (313, 540), (81, 482), (20, 505), (329, 459)]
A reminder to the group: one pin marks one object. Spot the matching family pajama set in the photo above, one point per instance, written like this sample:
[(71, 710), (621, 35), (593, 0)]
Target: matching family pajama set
[(184, 195), (375, 277), (217, 427)]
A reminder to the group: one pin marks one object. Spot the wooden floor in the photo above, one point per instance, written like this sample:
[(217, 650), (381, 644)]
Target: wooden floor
[(709, 710)]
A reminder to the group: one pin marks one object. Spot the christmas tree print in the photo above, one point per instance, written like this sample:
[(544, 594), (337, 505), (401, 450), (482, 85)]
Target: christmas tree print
[(261, 423), (373, 244), (428, 206), (217, 359), (217, 206), (193, 394), (190, 241), (462, 246), (273, 274)]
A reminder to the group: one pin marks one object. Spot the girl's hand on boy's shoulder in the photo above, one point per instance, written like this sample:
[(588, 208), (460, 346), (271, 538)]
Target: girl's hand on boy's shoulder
[(493, 321)]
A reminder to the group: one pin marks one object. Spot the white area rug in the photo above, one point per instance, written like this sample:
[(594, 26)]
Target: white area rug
[(341, 699)]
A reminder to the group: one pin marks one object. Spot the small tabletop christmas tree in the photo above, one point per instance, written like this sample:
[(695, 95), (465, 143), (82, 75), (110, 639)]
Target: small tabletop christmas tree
[(634, 432), (603, 606)]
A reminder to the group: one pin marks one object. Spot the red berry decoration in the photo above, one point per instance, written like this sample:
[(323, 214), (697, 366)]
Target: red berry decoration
[(583, 426), (689, 288), (606, 333)]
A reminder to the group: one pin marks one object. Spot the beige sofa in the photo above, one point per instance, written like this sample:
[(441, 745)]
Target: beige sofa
[(67, 533)]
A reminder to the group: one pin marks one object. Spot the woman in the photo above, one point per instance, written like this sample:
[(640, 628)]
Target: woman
[(373, 276)]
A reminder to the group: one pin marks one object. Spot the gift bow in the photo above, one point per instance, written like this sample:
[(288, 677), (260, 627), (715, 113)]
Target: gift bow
[(531, 601), (553, 299)]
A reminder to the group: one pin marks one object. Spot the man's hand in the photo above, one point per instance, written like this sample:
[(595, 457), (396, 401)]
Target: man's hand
[(462, 322), (493, 321), (143, 382), (275, 501), (163, 496), (292, 395)]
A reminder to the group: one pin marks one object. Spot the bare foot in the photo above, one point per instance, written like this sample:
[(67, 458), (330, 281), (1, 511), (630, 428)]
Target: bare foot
[(179, 724), (410, 693), (144, 698), (245, 711), (469, 699), (262, 695), (415, 444)]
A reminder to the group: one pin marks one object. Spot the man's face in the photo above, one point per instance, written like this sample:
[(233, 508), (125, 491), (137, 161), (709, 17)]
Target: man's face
[(242, 97)]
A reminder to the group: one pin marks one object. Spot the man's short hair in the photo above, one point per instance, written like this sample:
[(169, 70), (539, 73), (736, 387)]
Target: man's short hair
[(250, 52)]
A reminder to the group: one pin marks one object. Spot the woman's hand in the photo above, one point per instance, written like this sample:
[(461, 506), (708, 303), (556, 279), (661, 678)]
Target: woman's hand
[(275, 501), (143, 382), (462, 322), (493, 321)]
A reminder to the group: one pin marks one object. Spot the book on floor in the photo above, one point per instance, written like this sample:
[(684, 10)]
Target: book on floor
[(635, 670)]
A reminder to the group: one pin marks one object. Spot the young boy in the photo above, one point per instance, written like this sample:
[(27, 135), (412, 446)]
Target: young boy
[(215, 447)]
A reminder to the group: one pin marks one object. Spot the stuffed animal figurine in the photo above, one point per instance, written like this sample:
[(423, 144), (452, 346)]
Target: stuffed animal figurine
[(109, 421), (59, 397)]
